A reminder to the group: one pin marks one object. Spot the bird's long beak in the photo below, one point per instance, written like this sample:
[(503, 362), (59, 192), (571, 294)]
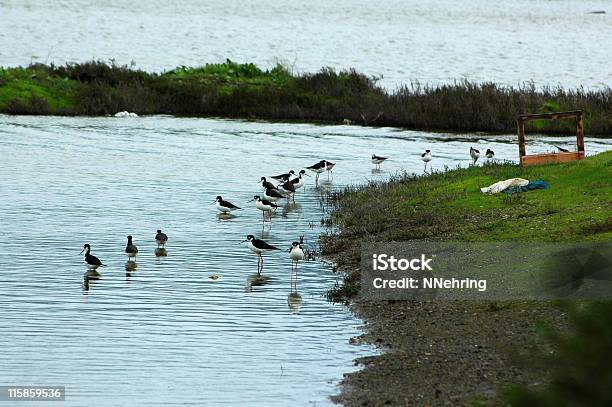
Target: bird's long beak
[(306, 174), (245, 240), (82, 251)]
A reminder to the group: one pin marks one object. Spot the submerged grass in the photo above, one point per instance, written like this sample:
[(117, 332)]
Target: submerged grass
[(245, 91)]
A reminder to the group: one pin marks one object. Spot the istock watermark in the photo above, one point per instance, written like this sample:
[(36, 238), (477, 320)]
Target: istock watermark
[(486, 271)]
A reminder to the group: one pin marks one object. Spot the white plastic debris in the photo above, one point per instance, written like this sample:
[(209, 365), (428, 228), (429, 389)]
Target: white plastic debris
[(503, 185)]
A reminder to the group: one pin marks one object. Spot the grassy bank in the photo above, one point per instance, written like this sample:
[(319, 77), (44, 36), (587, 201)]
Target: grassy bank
[(245, 91), (461, 353)]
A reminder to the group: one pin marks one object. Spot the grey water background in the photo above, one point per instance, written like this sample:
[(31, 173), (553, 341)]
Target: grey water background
[(564, 42), (165, 334)]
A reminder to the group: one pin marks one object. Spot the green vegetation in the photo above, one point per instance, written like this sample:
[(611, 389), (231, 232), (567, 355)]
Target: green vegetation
[(448, 206), (245, 91), (578, 363)]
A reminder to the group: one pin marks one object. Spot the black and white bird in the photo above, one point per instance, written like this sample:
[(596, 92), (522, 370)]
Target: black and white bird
[(264, 205), (317, 168), (91, 261), (426, 157), (267, 184), (329, 167), (161, 239), (289, 188), (296, 254), (563, 150), (298, 182), (259, 247), (130, 249), (273, 195), (224, 206), (474, 154), (284, 177), (377, 160), (489, 154)]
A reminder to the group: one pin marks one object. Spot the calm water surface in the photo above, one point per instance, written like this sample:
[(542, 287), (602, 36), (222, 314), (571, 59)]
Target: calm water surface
[(165, 334), (549, 42)]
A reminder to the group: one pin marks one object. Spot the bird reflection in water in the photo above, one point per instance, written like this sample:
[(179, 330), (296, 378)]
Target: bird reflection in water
[(256, 280), (90, 275), (294, 301), (161, 252), (291, 207), (225, 216)]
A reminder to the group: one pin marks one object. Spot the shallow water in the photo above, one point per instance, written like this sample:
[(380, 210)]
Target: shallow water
[(549, 42), (164, 333)]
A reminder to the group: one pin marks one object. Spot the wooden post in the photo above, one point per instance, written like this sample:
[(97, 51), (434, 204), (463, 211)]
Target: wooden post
[(579, 132), (521, 136)]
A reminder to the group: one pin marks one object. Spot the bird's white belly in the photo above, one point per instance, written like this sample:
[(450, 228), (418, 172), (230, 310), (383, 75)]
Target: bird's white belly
[(222, 208), (254, 249), (297, 254), (263, 207), (377, 161), (92, 266)]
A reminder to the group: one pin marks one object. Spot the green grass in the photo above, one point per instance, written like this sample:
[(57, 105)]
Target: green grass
[(230, 89), (448, 206)]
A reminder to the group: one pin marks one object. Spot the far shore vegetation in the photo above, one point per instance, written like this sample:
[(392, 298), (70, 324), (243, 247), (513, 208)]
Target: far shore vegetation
[(573, 365), (234, 90)]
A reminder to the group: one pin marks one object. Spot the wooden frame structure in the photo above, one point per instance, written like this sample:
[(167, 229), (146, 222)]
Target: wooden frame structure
[(535, 159)]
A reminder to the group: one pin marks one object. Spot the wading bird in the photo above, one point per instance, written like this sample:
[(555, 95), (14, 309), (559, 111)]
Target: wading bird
[(317, 168), (426, 157), (130, 249), (92, 261), (284, 177), (225, 206), (329, 167), (296, 253), (563, 150), (267, 184), (264, 206), (289, 188), (489, 154), (273, 195), (377, 160), (474, 154), (298, 182), (259, 247), (161, 239)]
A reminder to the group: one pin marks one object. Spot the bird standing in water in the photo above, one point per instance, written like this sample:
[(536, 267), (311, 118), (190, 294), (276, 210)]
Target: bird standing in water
[(317, 168), (264, 206), (130, 249), (160, 239), (474, 154), (259, 247), (296, 253), (298, 182), (489, 154), (224, 206), (329, 167), (377, 160), (92, 261)]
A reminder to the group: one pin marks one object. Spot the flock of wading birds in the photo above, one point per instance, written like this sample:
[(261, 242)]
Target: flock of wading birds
[(284, 189)]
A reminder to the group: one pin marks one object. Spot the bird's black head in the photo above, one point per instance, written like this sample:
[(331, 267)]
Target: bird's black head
[(302, 171), (129, 239), (427, 151), (86, 246), (291, 172), (322, 162), (218, 198), (256, 197), (158, 230), (295, 244), (263, 179), (250, 237), (373, 156)]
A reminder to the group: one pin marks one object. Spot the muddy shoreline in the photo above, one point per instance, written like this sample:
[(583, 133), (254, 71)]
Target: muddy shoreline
[(445, 353)]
